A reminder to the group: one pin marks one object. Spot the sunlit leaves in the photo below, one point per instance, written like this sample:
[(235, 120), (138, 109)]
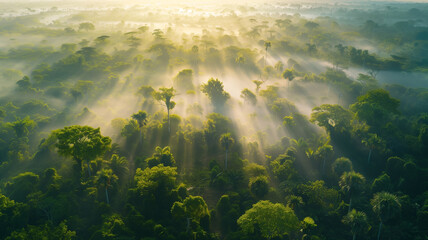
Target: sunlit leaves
[(215, 91), (81, 142), (157, 178), (273, 220), (326, 114)]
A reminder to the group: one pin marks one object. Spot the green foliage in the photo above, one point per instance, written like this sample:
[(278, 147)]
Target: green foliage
[(288, 74), (131, 128), (140, 117), (184, 80), (375, 107), (158, 178), (21, 186), (352, 182), (226, 141), (46, 231), (259, 186), (215, 92), (331, 117), (249, 96), (341, 165), (87, 26), (385, 205), (273, 220), (161, 156), (381, 183), (193, 207), (83, 143), (283, 166), (357, 221)]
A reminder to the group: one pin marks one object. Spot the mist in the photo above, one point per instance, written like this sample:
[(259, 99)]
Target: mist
[(179, 120)]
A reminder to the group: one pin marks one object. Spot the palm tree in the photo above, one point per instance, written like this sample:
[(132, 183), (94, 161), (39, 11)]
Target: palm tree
[(352, 183), (267, 45), (119, 165), (372, 142), (226, 142), (165, 95), (141, 118), (258, 84), (106, 178), (386, 206), (357, 221)]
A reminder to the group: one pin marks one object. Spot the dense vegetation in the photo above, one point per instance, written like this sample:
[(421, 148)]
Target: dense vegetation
[(173, 122)]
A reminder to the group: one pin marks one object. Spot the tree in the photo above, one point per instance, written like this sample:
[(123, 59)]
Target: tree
[(46, 231), (331, 117), (324, 153), (357, 221), (279, 66), (22, 185), (184, 80), (193, 207), (341, 165), (288, 74), (259, 186), (372, 142), (22, 127), (141, 118), (106, 178), (161, 156), (249, 96), (267, 46), (119, 165), (273, 220), (83, 143), (165, 95), (258, 84), (353, 184), (386, 206), (87, 26), (226, 141), (375, 107), (215, 91), (156, 180)]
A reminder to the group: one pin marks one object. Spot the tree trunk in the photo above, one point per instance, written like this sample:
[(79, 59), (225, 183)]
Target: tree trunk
[(89, 169), (370, 154), (141, 136), (354, 236), (380, 227), (107, 199), (169, 123), (188, 225), (225, 165)]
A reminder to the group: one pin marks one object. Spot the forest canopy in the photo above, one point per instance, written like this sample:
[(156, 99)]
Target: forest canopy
[(213, 120)]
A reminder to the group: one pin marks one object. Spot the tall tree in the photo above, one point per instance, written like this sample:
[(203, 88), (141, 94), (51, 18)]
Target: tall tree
[(353, 184), (288, 74), (214, 89), (226, 141), (372, 142), (272, 220), (267, 46), (83, 143), (386, 206), (357, 221), (165, 95), (141, 118), (106, 178), (258, 84)]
